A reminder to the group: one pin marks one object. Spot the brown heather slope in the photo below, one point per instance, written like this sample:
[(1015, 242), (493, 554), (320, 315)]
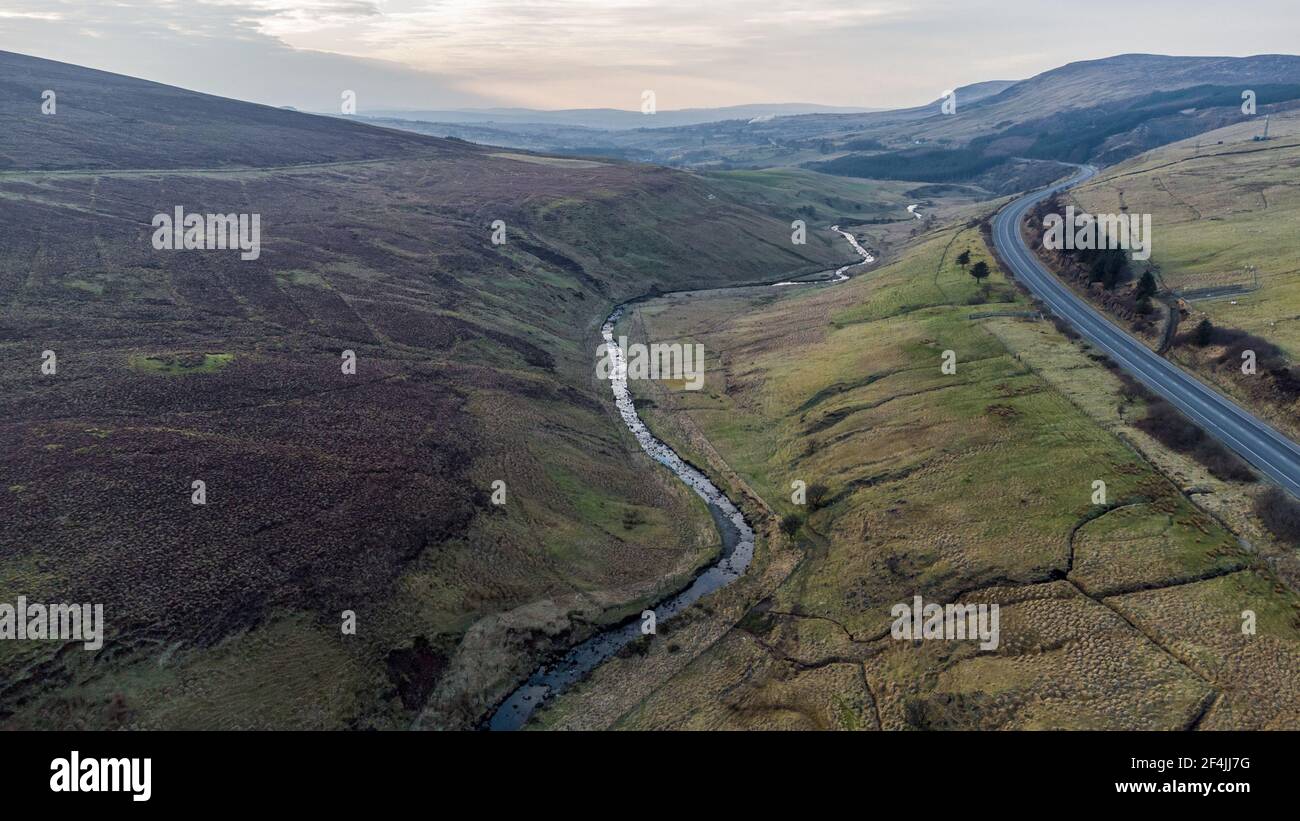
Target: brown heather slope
[(328, 492), (106, 120)]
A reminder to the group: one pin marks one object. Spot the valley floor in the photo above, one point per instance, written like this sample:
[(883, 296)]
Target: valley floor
[(975, 486)]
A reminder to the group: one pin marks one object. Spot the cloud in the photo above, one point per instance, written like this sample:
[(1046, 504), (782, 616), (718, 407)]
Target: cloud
[(555, 53), (29, 15), (225, 47), (586, 53)]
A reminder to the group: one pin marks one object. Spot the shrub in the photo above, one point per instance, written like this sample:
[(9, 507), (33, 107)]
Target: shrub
[(1280, 513), (817, 496), (632, 517), (1271, 359), (1167, 425), (1204, 333), (1146, 287), (1131, 389), (1066, 329)]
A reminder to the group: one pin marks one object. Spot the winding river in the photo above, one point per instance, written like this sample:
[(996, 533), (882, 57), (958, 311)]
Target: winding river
[(736, 532)]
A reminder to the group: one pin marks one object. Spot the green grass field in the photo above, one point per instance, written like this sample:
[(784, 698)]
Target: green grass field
[(974, 486), (1222, 205)]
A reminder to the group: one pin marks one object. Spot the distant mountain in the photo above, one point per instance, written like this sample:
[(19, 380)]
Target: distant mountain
[(989, 107), (1092, 83), (988, 88), (1099, 110), (612, 119)]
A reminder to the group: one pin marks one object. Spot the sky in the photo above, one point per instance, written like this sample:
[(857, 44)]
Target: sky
[(551, 54)]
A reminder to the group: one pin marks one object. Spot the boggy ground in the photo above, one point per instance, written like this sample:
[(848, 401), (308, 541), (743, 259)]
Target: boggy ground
[(972, 487)]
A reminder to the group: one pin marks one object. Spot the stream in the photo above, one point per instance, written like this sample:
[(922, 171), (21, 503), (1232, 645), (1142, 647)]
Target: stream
[(736, 532)]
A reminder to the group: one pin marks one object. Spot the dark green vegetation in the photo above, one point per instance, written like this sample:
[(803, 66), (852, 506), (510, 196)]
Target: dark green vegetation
[(1280, 514), (325, 492), (795, 193), (1169, 426), (919, 164), (1106, 133)]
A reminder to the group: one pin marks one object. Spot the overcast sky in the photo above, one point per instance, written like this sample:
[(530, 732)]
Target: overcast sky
[(603, 53)]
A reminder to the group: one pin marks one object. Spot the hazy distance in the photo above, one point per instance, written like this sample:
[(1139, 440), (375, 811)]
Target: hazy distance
[(555, 54)]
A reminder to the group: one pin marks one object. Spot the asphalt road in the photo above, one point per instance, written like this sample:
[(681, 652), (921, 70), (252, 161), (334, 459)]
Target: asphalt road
[(1272, 453)]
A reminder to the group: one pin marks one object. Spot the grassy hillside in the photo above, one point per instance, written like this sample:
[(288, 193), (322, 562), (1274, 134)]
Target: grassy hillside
[(1220, 204), (820, 198), (975, 487), (325, 491), (1225, 216)]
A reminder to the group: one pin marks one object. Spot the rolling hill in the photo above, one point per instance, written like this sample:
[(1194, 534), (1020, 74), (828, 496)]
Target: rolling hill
[(611, 118), (326, 492), (108, 121), (1097, 110)]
